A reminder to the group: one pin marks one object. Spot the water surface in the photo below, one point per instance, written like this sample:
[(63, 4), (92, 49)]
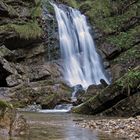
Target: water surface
[(59, 126)]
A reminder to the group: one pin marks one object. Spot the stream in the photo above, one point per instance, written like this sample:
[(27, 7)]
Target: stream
[(58, 126)]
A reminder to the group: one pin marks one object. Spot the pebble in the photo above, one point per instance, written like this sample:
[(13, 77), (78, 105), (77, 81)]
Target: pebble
[(128, 128)]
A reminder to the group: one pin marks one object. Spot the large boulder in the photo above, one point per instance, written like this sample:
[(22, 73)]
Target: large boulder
[(11, 123), (47, 93), (92, 91), (113, 94), (125, 108)]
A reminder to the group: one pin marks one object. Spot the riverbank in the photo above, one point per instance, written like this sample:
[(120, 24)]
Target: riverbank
[(128, 128)]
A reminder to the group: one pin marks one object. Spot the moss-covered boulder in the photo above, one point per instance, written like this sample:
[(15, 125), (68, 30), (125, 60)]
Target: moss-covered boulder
[(128, 107), (113, 94)]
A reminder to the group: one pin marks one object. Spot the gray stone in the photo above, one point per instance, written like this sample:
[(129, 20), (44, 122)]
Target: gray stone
[(14, 80), (110, 50)]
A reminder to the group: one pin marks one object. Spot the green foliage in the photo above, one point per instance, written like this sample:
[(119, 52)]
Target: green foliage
[(9, 8), (73, 3), (4, 105), (129, 79), (111, 24), (129, 55), (30, 30), (125, 39), (37, 10), (100, 8)]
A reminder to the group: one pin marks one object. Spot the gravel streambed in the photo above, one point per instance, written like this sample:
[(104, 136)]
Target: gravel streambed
[(128, 128)]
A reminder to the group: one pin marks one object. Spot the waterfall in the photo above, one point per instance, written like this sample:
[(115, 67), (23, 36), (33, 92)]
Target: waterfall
[(82, 64)]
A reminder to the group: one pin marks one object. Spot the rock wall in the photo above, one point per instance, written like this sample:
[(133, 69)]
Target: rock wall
[(30, 71)]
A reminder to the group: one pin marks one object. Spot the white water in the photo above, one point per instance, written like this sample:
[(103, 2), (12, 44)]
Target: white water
[(63, 108), (82, 63)]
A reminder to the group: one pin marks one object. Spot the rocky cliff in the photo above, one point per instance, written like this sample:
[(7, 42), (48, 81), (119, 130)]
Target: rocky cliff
[(27, 75)]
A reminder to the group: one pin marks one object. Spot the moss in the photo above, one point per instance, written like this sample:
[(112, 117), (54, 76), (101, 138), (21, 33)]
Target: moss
[(4, 105), (112, 94), (111, 24), (100, 8), (18, 104), (131, 54), (29, 30), (125, 40), (108, 23), (128, 80), (86, 6), (11, 11), (72, 3), (37, 10)]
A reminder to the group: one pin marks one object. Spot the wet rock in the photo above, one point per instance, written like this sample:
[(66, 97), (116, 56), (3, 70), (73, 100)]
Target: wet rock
[(92, 91), (103, 82), (106, 64)]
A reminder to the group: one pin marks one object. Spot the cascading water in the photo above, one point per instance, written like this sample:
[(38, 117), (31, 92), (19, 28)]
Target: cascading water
[(82, 63)]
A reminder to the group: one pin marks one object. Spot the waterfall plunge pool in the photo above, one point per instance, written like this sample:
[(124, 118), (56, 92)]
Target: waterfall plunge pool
[(58, 126)]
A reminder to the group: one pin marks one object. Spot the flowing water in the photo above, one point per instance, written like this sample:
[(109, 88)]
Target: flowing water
[(82, 64), (59, 126), (61, 108)]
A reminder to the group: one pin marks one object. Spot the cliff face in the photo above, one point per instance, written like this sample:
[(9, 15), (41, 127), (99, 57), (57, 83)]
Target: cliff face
[(26, 76)]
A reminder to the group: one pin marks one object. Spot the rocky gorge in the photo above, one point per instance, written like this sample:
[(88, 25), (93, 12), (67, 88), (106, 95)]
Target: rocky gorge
[(31, 67)]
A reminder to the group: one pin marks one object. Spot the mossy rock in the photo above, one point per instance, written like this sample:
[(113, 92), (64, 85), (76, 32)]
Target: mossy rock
[(36, 11), (121, 89), (72, 3), (3, 106), (27, 31), (125, 40)]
